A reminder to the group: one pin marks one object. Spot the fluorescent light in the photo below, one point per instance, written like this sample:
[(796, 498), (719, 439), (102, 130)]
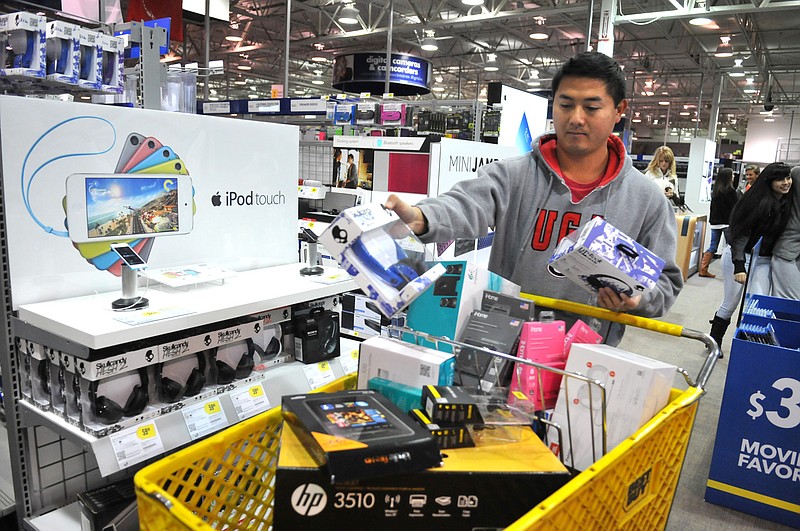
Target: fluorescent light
[(438, 89), (317, 82), (233, 38), (472, 2), (769, 119), (539, 36), (429, 44), (700, 21), (663, 103), (724, 49), (490, 68), (244, 67), (319, 59)]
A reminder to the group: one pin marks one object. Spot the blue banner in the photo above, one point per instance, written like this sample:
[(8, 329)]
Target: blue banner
[(366, 72), (755, 467)]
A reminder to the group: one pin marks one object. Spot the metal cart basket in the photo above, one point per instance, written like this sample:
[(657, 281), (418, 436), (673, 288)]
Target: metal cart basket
[(227, 481)]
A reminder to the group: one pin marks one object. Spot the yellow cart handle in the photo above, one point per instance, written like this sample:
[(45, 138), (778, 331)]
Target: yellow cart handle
[(712, 349)]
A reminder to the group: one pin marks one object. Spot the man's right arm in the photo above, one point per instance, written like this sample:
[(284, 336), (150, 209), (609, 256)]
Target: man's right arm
[(410, 215)]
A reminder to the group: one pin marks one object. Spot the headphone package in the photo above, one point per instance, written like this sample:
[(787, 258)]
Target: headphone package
[(90, 74), (599, 255), (316, 336), (183, 377), (24, 46), (273, 340), (366, 113), (63, 52), (25, 350), (111, 57), (344, 114), (393, 114), (382, 254), (69, 385), (39, 364), (115, 392)]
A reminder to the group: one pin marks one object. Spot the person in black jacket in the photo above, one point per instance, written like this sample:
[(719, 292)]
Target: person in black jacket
[(723, 198)]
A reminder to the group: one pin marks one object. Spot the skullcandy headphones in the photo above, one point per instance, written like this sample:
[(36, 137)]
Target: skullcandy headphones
[(108, 412), (20, 40), (172, 391), (227, 374), (44, 375), (57, 55), (87, 56)]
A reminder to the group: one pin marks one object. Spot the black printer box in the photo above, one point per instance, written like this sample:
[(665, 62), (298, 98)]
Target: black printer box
[(487, 487), (359, 434)]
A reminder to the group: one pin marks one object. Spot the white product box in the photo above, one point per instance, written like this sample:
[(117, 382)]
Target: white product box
[(25, 35), (63, 52), (112, 57), (404, 363), (90, 75), (636, 389), (381, 254), (599, 255)]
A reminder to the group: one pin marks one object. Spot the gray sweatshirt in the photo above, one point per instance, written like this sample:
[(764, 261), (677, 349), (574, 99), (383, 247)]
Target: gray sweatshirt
[(788, 245), (531, 208)]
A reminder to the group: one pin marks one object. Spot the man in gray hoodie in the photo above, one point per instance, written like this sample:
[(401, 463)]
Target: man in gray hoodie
[(786, 253), (570, 177)]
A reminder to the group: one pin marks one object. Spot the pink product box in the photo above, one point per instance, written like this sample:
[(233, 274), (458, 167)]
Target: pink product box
[(542, 342), (526, 380), (581, 333)]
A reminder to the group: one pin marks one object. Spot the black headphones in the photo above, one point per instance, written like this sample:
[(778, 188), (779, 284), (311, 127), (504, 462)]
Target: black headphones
[(108, 412), (330, 334), (172, 391), (44, 375), (227, 374)]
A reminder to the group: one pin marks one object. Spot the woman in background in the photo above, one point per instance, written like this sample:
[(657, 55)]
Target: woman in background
[(723, 198), (662, 170), (762, 213)]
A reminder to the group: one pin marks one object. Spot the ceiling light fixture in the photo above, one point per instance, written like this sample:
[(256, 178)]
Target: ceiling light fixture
[(491, 63), (429, 41), (700, 21), (724, 49), (348, 15), (538, 33), (244, 67), (234, 38), (472, 2), (438, 89), (663, 103), (737, 70)]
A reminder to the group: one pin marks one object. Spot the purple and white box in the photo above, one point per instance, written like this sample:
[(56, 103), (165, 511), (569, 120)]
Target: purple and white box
[(599, 255)]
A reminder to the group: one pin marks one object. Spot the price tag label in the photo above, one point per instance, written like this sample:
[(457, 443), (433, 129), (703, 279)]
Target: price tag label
[(349, 361), (365, 95), (249, 400), (780, 406), (204, 418), (136, 444), (319, 374)]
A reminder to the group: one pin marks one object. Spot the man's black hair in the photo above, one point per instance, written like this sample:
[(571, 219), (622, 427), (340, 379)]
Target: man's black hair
[(594, 65)]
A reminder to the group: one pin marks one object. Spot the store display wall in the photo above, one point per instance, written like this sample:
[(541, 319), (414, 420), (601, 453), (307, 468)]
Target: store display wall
[(243, 174)]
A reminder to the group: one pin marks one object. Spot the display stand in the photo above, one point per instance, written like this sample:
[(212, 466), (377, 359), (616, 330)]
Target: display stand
[(691, 239), (754, 467)]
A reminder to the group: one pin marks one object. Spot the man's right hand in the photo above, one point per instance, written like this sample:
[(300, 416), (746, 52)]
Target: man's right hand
[(411, 215)]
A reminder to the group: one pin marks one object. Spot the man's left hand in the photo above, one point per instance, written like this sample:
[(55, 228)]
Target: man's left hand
[(616, 302)]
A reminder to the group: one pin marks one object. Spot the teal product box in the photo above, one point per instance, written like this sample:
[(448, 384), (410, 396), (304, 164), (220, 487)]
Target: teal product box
[(444, 309), (403, 362), (405, 397)]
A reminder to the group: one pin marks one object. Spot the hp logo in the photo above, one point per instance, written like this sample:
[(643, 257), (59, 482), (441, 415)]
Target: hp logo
[(309, 499)]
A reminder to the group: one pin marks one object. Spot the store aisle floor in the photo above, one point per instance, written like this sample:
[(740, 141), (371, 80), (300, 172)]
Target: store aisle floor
[(694, 307)]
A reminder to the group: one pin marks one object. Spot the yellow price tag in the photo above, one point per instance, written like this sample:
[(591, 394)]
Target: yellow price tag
[(256, 391), (520, 395), (146, 432), (324, 366), (212, 407), (354, 354)]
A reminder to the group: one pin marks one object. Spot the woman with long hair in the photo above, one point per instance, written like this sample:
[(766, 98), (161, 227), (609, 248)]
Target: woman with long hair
[(762, 213), (723, 198), (662, 170)]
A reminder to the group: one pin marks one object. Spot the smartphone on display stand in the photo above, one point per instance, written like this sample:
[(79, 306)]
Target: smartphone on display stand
[(128, 255)]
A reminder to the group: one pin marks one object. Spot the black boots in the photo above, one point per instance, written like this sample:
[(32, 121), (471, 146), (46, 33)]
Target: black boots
[(718, 328)]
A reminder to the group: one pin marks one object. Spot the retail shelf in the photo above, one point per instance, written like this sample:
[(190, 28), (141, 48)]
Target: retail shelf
[(89, 321), (7, 503), (67, 518), (199, 417)]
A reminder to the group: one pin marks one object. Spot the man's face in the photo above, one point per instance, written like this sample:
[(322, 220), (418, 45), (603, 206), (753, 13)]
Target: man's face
[(750, 175), (584, 116)]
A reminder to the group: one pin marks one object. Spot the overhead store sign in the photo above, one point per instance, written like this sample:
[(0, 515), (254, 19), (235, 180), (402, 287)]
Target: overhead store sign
[(366, 72)]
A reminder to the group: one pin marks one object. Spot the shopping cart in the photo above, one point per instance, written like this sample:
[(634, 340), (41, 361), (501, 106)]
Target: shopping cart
[(227, 481)]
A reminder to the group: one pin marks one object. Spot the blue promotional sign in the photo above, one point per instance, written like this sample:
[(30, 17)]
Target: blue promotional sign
[(366, 72), (755, 467)]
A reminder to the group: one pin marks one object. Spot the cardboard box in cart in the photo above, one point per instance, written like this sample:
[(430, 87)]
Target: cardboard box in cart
[(636, 389), (477, 488), (599, 255)]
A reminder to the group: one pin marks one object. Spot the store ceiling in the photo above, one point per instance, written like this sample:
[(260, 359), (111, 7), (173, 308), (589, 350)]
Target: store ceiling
[(663, 54)]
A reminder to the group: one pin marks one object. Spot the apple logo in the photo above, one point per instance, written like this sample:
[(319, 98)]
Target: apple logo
[(215, 200)]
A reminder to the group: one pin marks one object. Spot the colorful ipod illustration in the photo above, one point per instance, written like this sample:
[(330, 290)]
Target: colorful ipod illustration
[(132, 143), (161, 155), (172, 167), (147, 148)]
